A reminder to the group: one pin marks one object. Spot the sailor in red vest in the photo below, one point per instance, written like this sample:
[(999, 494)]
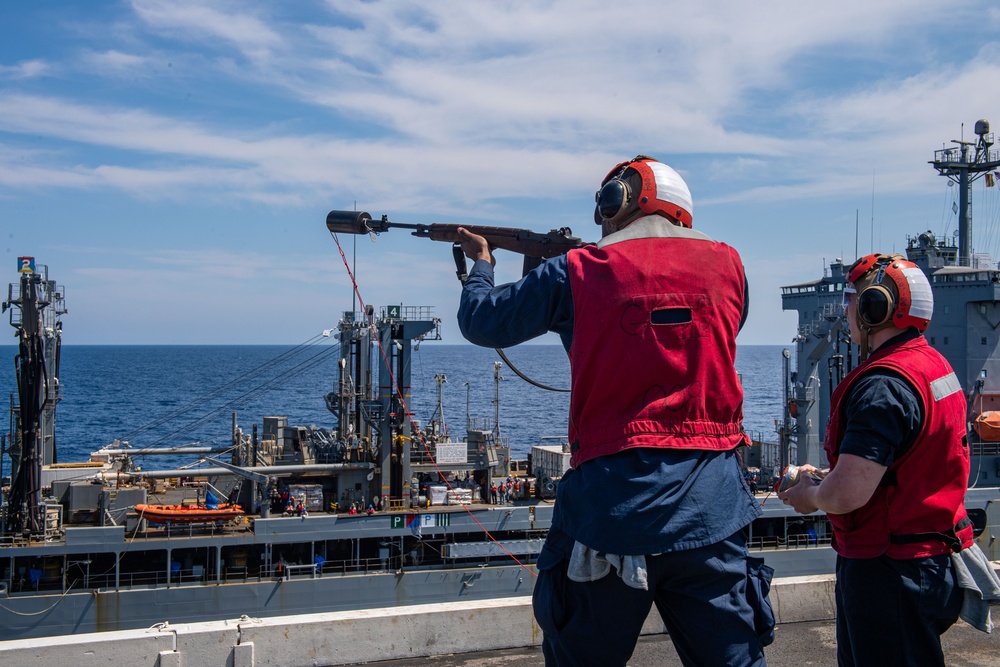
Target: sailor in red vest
[(654, 507), (899, 466)]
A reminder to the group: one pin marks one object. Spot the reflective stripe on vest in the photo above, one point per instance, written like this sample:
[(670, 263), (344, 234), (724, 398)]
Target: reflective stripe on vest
[(919, 509)]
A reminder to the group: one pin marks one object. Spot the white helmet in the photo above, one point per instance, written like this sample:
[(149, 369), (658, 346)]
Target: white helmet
[(892, 291), (643, 184)]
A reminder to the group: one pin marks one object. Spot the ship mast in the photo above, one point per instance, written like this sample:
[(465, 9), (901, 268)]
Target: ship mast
[(964, 164), (35, 305), (375, 426)]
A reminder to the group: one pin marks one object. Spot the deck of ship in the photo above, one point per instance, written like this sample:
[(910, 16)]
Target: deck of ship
[(796, 644), (481, 633)]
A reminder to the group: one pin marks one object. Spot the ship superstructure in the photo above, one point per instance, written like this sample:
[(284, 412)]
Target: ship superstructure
[(965, 326)]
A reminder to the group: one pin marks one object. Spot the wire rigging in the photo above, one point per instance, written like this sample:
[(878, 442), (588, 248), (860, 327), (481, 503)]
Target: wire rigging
[(406, 409), (272, 383), (201, 400), (947, 210), (991, 216)]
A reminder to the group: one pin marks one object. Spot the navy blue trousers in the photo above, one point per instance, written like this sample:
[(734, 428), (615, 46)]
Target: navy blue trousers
[(893, 612), (701, 595)]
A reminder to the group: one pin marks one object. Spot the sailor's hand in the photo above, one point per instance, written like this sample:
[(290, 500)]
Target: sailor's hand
[(475, 247), (801, 497)]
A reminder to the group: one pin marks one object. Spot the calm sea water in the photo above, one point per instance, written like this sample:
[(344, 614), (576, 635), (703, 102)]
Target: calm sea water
[(176, 395)]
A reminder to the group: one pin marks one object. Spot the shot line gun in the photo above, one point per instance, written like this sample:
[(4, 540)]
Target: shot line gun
[(534, 246)]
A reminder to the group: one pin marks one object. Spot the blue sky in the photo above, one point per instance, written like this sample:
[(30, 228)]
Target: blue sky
[(173, 161)]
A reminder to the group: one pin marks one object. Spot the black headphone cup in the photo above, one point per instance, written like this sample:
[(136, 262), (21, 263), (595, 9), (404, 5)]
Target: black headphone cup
[(613, 198), (875, 306)]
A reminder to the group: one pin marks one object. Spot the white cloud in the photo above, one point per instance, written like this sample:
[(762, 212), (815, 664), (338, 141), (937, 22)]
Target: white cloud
[(206, 22), (113, 60), (503, 113), (27, 69), (528, 94)]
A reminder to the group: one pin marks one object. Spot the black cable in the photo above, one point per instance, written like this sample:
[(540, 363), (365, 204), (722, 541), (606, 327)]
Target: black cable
[(525, 377)]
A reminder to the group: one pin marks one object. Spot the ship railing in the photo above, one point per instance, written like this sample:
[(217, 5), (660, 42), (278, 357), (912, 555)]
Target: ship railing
[(963, 154), (312, 570), (298, 571), (423, 457), (833, 311), (128, 580), (405, 313), (286, 571), (125, 580), (194, 528), (156, 578), (396, 505), (774, 543), (153, 578), (985, 448), (484, 424), (362, 566)]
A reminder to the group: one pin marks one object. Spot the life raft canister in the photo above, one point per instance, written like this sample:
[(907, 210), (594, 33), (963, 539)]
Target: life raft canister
[(987, 425)]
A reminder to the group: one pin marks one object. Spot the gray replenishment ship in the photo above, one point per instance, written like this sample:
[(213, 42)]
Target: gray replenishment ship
[(101, 546), (965, 328)]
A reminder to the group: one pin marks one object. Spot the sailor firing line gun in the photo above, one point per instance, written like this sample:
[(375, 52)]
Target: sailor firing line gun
[(534, 246)]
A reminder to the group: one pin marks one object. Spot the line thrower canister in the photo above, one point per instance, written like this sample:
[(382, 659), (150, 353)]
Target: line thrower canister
[(792, 475)]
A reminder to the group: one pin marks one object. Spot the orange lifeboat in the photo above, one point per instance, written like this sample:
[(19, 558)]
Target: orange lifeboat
[(173, 514), (987, 425)]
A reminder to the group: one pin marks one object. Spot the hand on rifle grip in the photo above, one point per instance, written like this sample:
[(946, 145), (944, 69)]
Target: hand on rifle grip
[(475, 247)]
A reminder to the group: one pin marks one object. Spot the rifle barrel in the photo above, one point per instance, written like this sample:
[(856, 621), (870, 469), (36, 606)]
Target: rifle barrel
[(361, 222)]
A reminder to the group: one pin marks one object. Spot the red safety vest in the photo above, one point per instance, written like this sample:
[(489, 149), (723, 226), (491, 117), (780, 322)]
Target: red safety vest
[(918, 508), (654, 341)]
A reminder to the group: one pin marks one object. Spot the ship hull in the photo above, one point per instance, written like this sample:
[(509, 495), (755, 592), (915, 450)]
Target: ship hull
[(289, 588), (110, 610)]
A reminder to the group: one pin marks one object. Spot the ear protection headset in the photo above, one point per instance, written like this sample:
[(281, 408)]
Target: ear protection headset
[(897, 295), (661, 191), (876, 303), (614, 197)]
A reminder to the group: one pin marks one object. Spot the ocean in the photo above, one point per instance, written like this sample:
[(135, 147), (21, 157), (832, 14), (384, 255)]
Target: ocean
[(171, 395)]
